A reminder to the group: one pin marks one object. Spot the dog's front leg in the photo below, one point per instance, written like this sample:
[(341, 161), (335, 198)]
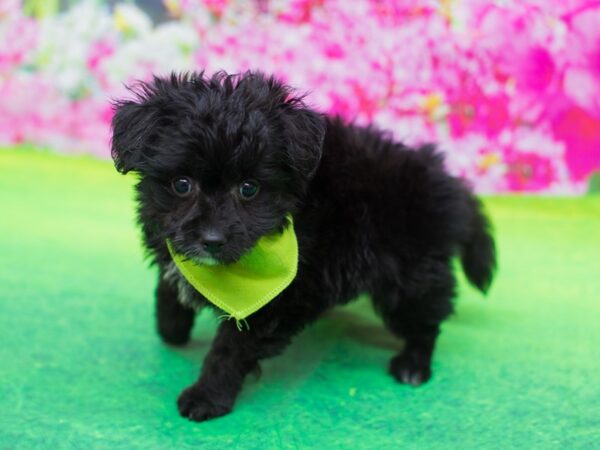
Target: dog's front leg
[(174, 321), (235, 353)]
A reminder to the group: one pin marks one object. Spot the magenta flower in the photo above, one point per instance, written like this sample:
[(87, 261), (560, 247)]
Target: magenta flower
[(581, 133), (528, 172)]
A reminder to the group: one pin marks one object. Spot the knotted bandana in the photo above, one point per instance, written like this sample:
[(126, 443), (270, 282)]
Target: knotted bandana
[(243, 287)]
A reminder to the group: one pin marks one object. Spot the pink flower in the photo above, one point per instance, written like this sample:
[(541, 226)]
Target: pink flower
[(18, 35), (529, 172), (299, 11), (581, 133), (217, 7), (582, 75), (99, 50), (536, 70), (472, 111)]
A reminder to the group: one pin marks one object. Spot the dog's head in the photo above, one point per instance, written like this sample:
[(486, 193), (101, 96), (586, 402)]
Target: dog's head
[(221, 160)]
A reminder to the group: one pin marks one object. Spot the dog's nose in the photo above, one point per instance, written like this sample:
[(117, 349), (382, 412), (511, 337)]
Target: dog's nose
[(212, 241)]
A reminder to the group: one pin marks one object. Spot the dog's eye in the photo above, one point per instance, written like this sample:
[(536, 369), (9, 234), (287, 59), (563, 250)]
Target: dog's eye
[(248, 189), (182, 186)]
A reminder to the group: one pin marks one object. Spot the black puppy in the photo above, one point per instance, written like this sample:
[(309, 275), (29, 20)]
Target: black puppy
[(222, 161)]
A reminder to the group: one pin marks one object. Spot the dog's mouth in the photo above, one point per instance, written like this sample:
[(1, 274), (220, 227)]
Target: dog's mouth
[(201, 257), (206, 261)]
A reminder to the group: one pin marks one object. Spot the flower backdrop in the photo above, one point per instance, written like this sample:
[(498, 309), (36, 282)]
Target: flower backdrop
[(509, 89)]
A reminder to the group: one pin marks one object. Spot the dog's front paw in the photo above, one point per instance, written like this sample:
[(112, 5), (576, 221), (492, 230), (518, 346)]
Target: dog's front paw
[(408, 368), (197, 406)]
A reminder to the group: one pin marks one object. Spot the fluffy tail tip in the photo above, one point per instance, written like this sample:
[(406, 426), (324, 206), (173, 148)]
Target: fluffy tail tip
[(479, 253)]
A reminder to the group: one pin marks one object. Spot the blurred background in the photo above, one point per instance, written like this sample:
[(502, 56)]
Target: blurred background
[(510, 89)]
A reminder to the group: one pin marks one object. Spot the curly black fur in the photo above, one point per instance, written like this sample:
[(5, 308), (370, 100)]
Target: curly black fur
[(371, 215)]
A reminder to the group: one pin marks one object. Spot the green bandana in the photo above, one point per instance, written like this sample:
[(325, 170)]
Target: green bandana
[(243, 287)]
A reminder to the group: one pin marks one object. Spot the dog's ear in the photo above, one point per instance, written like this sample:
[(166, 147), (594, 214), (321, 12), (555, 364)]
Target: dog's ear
[(132, 127), (305, 130)]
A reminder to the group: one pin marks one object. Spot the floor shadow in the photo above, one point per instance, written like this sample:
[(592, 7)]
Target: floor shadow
[(345, 339), (363, 330), (354, 324)]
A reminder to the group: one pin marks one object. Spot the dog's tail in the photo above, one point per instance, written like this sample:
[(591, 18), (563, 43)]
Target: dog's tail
[(478, 252)]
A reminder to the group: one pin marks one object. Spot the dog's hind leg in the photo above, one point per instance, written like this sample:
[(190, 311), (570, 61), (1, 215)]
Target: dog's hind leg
[(412, 308)]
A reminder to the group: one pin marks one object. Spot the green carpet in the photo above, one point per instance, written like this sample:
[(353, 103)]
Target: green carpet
[(81, 366)]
